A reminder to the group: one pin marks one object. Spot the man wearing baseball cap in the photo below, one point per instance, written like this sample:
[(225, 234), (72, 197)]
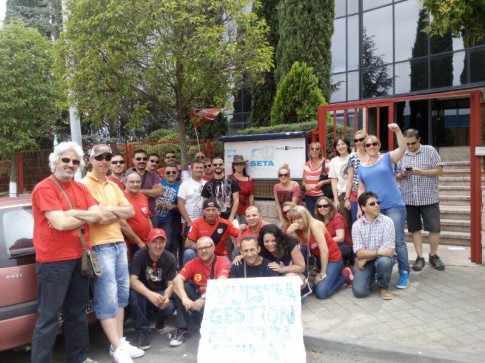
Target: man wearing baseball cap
[(213, 226), (152, 271)]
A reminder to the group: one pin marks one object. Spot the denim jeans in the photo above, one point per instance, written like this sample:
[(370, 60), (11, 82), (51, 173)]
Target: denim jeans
[(347, 253), (380, 268), (398, 216), (182, 320), (60, 285), (354, 208), (140, 305), (189, 255), (310, 203), (334, 280), (111, 290), (169, 232)]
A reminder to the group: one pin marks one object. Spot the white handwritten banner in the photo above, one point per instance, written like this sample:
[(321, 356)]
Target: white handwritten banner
[(252, 320)]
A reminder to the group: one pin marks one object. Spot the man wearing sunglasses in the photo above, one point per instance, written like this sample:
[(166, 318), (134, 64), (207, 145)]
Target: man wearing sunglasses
[(373, 240), (419, 170), (117, 169), (208, 170), (111, 289), (152, 271), (151, 184)]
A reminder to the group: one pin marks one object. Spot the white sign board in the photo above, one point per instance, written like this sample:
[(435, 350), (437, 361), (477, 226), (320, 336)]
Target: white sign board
[(252, 320), (479, 150), (265, 157)]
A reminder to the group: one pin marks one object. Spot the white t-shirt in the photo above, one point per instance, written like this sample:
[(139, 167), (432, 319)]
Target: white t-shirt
[(338, 170), (190, 190)]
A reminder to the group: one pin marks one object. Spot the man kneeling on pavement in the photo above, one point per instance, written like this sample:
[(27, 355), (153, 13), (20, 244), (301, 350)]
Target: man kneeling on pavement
[(191, 283), (152, 271), (373, 239)]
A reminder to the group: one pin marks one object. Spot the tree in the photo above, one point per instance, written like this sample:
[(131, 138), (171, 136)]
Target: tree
[(305, 35), (375, 77), (131, 58), (30, 94), (464, 18), (298, 96)]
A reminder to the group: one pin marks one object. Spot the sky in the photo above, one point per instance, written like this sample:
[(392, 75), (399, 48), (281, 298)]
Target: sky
[(3, 5)]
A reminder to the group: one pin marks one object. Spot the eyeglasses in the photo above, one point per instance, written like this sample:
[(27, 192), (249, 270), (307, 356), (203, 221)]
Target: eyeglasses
[(121, 162), (360, 139), (315, 149), (411, 143), (371, 144), (372, 204), (217, 164), (74, 161), (283, 175), (103, 157), (319, 206), (204, 248), (208, 166), (140, 159), (171, 173), (154, 161)]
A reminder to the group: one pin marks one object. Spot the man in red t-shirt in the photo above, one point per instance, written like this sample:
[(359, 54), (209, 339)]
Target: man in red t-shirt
[(213, 226), (191, 283), (137, 228), (58, 254)]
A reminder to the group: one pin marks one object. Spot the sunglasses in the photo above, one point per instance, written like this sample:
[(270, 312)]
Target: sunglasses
[(208, 166), (171, 173), (411, 143), (140, 159), (283, 175), (320, 206), (103, 157), (154, 161), (114, 162), (371, 144), (360, 139), (217, 164), (372, 204), (315, 149), (74, 161)]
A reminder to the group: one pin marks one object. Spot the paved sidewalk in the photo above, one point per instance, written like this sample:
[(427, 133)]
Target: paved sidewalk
[(440, 316)]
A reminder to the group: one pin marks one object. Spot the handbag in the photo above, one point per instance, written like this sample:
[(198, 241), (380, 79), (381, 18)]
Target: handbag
[(327, 188), (90, 265)]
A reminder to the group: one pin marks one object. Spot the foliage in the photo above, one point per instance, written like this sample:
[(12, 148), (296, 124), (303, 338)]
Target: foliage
[(264, 91), (45, 15), (210, 129), (298, 96), (375, 76), (128, 59), (162, 135), (28, 101), (305, 35), (460, 17)]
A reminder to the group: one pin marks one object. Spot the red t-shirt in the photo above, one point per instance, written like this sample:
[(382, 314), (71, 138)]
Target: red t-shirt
[(338, 222), (196, 271), (334, 253), (117, 182), (140, 223), (50, 244), (207, 178), (200, 228), (247, 189)]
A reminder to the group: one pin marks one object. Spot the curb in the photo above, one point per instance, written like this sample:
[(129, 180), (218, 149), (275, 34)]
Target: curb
[(382, 350)]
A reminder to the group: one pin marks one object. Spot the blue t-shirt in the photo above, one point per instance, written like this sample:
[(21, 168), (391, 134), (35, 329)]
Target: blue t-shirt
[(380, 179), (169, 197)]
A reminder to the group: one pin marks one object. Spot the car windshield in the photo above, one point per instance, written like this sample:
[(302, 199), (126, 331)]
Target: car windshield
[(17, 229)]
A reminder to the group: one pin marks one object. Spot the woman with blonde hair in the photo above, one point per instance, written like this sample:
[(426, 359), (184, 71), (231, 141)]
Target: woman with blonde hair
[(312, 172), (318, 241), (286, 190), (285, 223)]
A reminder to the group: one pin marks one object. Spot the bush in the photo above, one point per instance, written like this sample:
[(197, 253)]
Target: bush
[(298, 96)]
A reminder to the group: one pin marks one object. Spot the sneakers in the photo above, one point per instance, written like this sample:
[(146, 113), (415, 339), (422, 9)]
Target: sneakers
[(144, 341), (386, 294), (134, 351), (419, 264), (180, 336), (403, 281), (348, 273), (436, 262), (160, 324), (122, 354)]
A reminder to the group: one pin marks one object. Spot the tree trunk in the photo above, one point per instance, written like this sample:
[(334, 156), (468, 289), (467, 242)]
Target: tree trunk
[(13, 177)]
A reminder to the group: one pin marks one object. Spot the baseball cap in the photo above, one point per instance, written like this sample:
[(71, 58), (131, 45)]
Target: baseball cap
[(211, 202), (156, 233), (100, 149)]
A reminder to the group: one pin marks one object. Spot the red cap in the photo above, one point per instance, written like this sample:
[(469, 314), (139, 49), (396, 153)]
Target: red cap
[(156, 233)]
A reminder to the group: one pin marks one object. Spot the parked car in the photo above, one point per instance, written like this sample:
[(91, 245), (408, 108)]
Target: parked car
[(18, 278)]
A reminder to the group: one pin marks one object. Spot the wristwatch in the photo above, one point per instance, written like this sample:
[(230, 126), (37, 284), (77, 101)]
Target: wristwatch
[(322, 276)]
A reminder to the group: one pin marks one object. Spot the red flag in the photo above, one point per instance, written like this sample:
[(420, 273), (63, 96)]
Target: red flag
[(201, 116)]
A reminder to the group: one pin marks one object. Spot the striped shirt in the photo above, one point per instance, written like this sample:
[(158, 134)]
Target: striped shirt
[(375, 235), (420, 189), (312, 177)]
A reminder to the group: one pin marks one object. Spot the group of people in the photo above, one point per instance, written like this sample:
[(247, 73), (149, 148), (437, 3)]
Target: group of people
[(159, 240)]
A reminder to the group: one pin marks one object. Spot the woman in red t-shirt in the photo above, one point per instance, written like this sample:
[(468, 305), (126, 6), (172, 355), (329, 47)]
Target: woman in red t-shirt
[(286, 190), (315, 236), (246, 194)]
